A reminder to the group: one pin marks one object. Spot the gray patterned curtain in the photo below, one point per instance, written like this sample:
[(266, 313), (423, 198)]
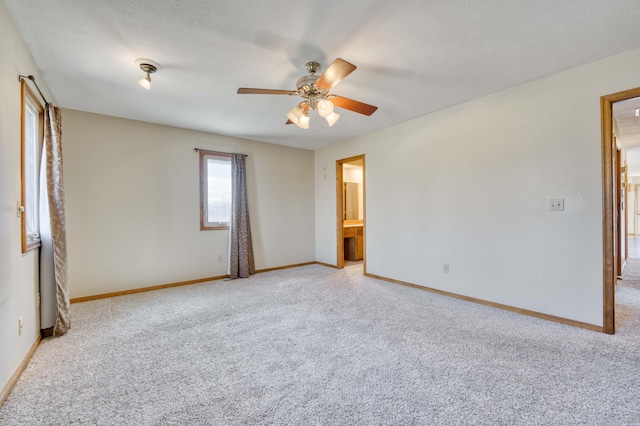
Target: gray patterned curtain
[(241, 263), (58, 235)]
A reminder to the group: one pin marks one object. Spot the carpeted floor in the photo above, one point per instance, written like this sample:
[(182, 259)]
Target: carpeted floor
[(314, 345)]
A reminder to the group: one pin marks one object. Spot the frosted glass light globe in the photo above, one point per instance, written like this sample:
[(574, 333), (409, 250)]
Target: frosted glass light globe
[(325, 107)]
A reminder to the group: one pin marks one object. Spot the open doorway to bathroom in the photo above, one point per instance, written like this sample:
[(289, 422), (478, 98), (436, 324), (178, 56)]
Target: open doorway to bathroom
[(350, 212)]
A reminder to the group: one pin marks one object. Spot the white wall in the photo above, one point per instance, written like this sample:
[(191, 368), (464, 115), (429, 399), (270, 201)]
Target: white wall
[(132, 202), (18, 272), (631, 211), (469, 186)]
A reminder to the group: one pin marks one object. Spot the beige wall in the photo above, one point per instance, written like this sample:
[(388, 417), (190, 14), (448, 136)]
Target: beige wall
[(132, 204), (18, 272), (469, 186)]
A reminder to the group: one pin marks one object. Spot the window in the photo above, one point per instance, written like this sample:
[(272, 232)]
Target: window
[(215, 190), (31, 148)]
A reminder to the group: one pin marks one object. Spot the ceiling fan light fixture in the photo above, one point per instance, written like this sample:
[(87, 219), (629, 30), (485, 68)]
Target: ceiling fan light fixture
[(294, 114), (332, 118), (325, 107), (314, 90), (303, 121)]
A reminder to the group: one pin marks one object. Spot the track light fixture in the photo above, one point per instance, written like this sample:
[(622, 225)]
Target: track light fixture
[(149, 67)]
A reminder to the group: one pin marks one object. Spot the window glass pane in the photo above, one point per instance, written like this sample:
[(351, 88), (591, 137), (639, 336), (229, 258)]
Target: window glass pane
[(31, 170), (218, 190)]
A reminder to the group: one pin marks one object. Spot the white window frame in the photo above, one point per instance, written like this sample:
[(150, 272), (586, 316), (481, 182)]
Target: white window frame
[(205, 156)]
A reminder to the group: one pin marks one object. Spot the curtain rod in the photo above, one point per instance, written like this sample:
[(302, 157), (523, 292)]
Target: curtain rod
[(216, 152), (32, 78)]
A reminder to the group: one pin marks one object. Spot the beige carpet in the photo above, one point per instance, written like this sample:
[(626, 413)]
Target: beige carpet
[(314, 345)]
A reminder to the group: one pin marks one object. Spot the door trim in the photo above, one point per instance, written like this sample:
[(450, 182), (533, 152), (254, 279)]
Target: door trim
[(339, 203), (608, 205)]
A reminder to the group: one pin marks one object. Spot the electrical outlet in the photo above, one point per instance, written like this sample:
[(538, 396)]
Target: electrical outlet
[(20, 326), (445, 268), (556, 204), (219, 258)]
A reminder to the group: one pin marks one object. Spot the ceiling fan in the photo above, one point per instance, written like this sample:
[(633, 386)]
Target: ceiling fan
[(315, 90)]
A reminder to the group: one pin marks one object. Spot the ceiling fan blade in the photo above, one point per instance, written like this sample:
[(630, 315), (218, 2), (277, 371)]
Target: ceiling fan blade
[(338, 70), (352, 105), (289, 122), (247, 91)]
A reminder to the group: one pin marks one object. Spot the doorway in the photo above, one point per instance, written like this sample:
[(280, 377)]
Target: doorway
[(611, 205), (351, 211)]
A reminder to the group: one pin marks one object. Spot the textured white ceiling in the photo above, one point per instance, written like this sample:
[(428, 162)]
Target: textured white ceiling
[(413, 56), (629, 125), (628, 122)]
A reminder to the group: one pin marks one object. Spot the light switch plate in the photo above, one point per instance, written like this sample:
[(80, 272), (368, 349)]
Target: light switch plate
[(556, 204)]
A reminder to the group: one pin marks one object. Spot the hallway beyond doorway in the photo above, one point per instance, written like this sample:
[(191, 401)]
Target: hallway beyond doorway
[(634, 246)]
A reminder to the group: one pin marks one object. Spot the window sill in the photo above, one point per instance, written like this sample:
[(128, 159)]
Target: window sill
[(31, 245), (213, 228)]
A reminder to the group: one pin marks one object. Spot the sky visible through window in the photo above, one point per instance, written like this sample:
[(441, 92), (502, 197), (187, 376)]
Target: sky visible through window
[(31, 171), (219, 190)]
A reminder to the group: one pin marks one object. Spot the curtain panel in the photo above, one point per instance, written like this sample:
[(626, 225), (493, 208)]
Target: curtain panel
[(241, 263), (55, 195)]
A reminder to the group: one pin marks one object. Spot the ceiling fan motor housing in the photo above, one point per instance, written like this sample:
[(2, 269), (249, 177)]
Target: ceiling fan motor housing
[(307, 84), (306, 81)]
